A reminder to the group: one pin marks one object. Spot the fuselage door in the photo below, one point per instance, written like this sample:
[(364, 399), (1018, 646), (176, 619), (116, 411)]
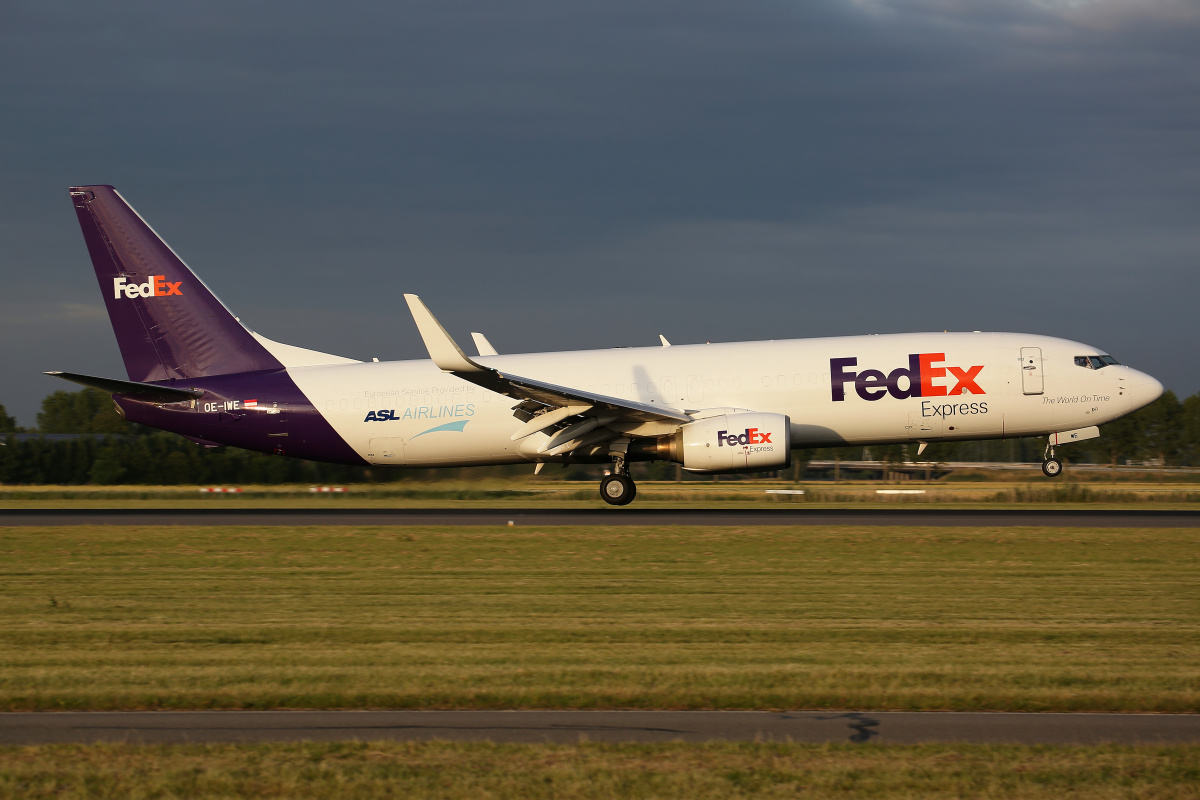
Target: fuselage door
[(1031, 370), (276, 417), (386, 450), (923, 428)]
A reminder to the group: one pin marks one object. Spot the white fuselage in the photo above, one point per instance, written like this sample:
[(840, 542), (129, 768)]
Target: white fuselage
[(411, 413)]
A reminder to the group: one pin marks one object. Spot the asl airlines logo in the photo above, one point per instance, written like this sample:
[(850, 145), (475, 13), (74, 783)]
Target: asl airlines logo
[(751, 436), (920, 379), (157, 286), (422, 412)]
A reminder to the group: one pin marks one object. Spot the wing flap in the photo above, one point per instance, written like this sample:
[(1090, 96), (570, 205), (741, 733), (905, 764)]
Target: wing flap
[(575, 431), (545, 420)]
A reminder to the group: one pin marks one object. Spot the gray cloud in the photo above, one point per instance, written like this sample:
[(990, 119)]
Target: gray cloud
[(590, 174)]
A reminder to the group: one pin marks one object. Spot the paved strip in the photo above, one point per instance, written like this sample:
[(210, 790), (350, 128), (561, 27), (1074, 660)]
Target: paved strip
[(890, 727), (1100, 518)]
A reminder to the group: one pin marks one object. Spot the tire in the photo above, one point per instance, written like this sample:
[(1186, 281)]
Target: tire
[(1052, 468), (617, 490)]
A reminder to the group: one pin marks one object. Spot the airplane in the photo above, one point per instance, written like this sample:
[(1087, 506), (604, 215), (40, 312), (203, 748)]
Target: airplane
[(193, 368)]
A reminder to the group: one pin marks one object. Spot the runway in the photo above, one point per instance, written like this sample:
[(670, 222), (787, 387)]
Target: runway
[(888, 727), (656, 517)]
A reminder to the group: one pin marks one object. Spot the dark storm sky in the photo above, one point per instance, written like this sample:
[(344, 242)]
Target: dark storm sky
[(577, 174)]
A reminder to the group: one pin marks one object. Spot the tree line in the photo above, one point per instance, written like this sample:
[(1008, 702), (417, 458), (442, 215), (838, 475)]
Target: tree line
[(116, 451), (121, 452)]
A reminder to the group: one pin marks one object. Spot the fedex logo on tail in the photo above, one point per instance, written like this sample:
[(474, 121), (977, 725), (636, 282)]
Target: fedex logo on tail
[(157, 286), (923, 377)]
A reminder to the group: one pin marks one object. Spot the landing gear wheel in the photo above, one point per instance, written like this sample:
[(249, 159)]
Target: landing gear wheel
[(1051, 467), (617, 490)]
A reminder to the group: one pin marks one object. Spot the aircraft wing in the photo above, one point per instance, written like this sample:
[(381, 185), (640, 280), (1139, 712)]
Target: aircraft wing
[(562, 396), (547, 404)]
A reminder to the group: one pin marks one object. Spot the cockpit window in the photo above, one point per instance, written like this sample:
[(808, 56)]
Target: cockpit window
[(1095, 362)]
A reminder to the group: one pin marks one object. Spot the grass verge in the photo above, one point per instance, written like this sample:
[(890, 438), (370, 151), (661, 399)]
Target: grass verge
[(1020, 619), (453, 770), (534, 493)]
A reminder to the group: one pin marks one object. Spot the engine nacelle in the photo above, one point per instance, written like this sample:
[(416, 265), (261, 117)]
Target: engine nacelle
[(745, 442)]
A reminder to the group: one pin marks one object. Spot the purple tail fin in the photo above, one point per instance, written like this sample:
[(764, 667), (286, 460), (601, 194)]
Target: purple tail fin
[(168, 324)]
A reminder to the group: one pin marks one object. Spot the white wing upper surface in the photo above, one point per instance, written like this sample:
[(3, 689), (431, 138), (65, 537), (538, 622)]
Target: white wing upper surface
[(449, 357)]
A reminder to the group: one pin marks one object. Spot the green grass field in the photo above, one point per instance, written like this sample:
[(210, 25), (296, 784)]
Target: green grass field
[(102, 617), (531, 492), (443, 770)]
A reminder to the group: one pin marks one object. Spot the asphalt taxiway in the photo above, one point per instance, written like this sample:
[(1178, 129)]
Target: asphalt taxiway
[(1088, 518), (888, 727)]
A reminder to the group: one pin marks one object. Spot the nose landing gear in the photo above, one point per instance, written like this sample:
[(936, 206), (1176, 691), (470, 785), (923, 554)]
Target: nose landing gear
[(1051, 467), (617, 488)]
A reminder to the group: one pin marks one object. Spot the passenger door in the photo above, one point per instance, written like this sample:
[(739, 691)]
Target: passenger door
[(1031, 370)]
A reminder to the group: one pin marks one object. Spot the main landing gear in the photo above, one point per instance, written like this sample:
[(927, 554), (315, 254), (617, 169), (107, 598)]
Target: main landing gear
[(1051, 467), (617, 488)]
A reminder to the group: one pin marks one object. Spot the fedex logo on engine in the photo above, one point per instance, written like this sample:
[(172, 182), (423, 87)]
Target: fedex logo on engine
[(751, 436), (923, 377), (157, 286)]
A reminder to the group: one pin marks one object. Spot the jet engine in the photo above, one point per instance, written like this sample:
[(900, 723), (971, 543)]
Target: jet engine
[(743, 442)]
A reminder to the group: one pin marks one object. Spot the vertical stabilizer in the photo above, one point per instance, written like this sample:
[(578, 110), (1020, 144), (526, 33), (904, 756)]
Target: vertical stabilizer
[(168, 324)]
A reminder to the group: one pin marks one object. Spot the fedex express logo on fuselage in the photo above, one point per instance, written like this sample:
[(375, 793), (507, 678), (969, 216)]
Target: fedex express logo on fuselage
[(157, 286), (923, 377)]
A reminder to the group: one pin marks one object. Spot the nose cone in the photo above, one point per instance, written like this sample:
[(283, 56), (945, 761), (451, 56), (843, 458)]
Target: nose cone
[(1143, 390)]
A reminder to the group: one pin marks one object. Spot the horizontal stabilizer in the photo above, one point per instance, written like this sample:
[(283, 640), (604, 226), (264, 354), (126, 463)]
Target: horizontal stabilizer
[(151, 393)]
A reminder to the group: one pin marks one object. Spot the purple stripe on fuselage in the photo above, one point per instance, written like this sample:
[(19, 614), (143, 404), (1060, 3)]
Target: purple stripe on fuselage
[(281, 419)]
